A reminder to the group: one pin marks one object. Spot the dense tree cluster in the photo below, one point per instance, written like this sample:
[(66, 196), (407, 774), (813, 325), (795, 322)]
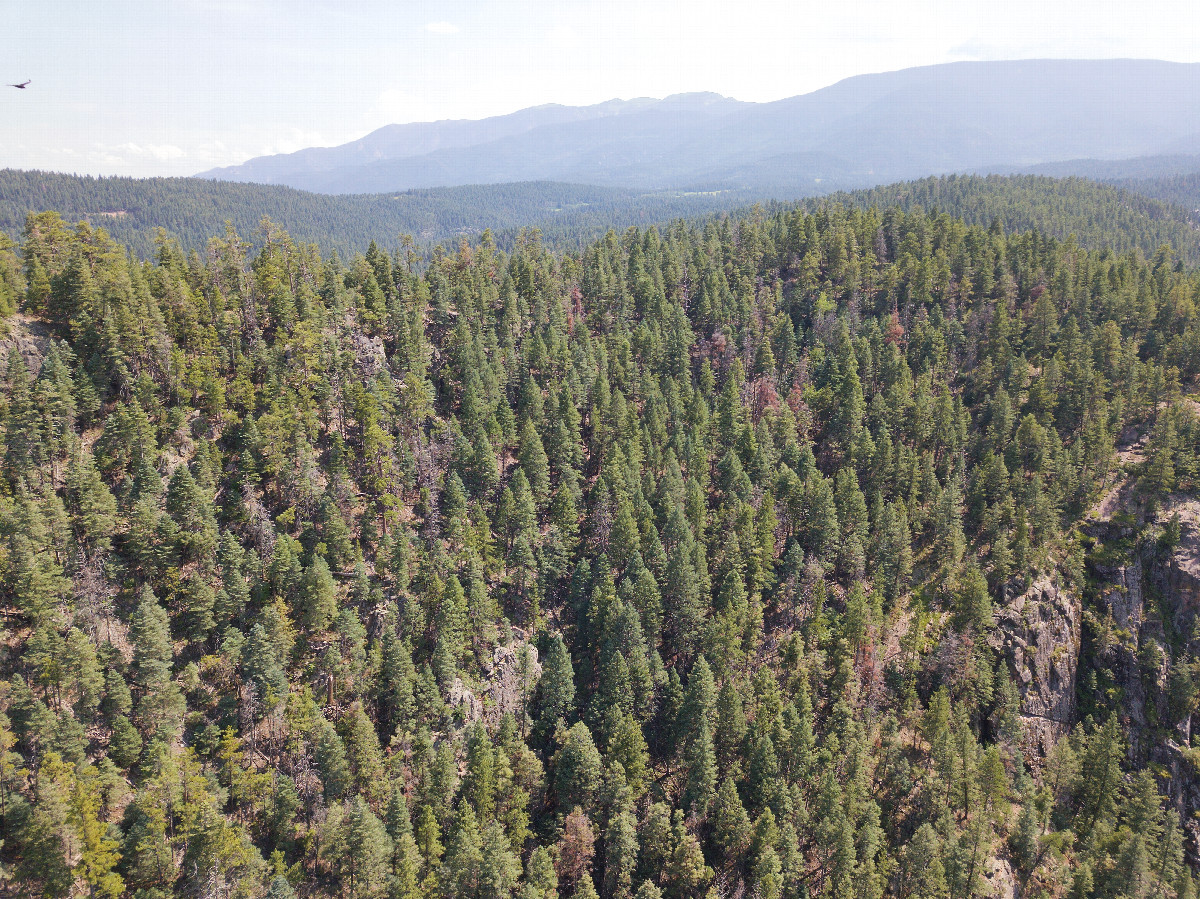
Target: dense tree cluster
[(1132, 213), (274, 526), (1182, 189), (1142, 213), (193, 209)]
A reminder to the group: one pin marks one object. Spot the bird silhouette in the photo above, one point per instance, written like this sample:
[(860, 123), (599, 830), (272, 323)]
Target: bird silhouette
[(21, 86)]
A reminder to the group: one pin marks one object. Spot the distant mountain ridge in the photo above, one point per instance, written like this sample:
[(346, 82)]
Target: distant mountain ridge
[(417, 139), (865, 130)]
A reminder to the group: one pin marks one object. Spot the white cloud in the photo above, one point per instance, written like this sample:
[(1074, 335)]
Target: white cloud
[(442, 28)]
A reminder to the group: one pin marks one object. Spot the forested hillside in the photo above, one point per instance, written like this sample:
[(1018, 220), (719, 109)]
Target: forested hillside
[(1181, 190), (1138, 214), (806, 554), (192, 210), (569, 216)]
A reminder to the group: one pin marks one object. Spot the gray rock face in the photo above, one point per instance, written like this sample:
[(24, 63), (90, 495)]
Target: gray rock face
[(1132, 640), (1132, 644), (1120, 617), (1038, 632), (511, 676), (514, 676), (463, 699), (29, 337), (1179, 578)]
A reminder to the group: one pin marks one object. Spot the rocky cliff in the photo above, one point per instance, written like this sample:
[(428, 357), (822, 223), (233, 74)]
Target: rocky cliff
[(1038, 631), (1141, 617)]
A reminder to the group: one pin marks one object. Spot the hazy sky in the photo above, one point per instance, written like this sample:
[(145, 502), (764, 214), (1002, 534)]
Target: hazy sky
[(172, 87)]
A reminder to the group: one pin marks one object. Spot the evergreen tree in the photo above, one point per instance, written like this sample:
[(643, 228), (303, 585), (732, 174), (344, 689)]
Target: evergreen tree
[(159, 703), (577, 769), (317, 597), (700, 787)]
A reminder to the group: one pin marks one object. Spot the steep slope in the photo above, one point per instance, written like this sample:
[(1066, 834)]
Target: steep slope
[(280, 534)]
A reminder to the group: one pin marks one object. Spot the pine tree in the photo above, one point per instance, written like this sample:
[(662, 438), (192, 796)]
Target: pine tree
[(685, 870), (700, 785), (460, 872), (1100, 776), (730, 823), (683, 611), (620, 845), (556, 687), (42, 837), (365, 861), (479, 783), (699, 701), (974, 605), (192, 511), (499, 868), (541, 880), (532, 457), (93, 508), (577, 769), (923, 874), (159, 705), (317, 597), (363, 752), (731, 726), (261, 665), (330, 754)]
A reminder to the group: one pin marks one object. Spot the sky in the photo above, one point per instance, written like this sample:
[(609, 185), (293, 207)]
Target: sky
[(175, 87)]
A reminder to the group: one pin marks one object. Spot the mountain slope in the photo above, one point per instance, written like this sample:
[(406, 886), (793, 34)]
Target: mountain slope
[(1182, 189), (747, 560), (861, 131), (1100, 216), (192, 210), (310, 167)]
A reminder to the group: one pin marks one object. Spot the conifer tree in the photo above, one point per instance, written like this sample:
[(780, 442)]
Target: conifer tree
[(316, 596), (577, 769), (700, 786), (159, 703), (730, 823), (620, 844)]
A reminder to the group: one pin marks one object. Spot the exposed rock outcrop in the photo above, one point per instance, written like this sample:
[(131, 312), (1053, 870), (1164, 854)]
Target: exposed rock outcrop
[(1038, 631), (514, 676), (29, 337), (510, 678), (463, 700), (1178, 580), (1118, 613), (1145, 590)]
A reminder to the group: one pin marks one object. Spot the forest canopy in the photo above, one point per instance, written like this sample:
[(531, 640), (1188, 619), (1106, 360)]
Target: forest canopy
[(675, 566)]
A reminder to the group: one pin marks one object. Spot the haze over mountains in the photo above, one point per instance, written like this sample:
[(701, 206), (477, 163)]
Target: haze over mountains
[(866, 130)]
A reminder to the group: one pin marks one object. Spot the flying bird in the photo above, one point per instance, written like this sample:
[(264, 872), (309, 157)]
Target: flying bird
[(21, 86)]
